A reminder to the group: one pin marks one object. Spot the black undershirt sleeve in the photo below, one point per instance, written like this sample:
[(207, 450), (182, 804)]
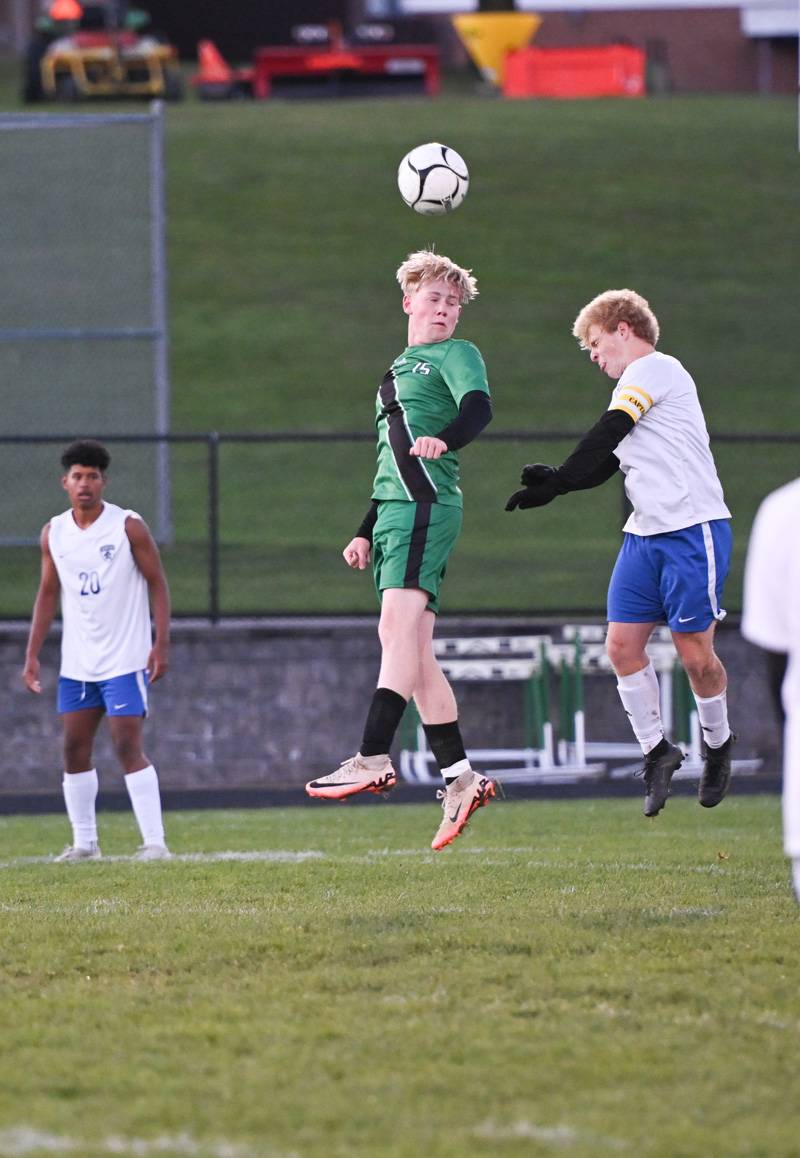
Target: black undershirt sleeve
[(589, 464), (474, 413), (604, 472), (368, 523)]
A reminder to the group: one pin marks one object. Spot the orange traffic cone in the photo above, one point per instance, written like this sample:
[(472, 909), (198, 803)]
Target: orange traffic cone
[(213, 68)]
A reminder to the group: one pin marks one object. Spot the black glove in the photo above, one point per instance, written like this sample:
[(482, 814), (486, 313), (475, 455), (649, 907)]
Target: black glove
[(535, 473), (542, 485)]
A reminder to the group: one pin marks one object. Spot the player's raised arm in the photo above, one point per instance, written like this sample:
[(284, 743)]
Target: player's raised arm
[(44, 610), (591, 463)]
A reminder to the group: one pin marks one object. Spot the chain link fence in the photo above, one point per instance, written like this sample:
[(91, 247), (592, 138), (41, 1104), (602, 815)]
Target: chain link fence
[(259, 520), (83, 325)]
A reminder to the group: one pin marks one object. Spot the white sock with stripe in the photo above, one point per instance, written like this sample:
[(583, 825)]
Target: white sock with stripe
[(146, 801), (641, 700), (80, 794)]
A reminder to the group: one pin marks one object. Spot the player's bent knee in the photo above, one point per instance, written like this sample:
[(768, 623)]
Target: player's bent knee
[(625, 659), (702, 669)]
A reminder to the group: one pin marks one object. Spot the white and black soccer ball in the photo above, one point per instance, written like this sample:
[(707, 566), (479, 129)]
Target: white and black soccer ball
[(433, 179)]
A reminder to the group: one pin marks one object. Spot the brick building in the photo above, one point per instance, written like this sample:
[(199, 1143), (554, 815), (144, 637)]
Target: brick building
[(691, 45)]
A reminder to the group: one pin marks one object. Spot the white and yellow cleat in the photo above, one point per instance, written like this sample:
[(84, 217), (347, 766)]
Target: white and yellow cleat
[(459, 800), (358, 774)]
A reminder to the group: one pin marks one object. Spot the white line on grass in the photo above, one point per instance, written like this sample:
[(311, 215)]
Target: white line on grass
[(290, 856), (21, 1141), (468, 849), (278, 855), (557, 1137), (269, 854), (499, 854)]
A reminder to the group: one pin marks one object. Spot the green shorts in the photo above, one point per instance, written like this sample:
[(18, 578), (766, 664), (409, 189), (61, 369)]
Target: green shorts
[(411, 544)]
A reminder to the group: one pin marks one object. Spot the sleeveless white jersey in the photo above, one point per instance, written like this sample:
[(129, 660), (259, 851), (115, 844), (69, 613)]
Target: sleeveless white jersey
[(104, 597), (670, 476)]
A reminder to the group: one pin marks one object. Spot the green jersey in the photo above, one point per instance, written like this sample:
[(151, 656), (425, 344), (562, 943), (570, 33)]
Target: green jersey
[(420, 395)]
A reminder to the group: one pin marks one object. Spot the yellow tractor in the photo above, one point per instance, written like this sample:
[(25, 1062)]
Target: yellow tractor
[(99, 50)]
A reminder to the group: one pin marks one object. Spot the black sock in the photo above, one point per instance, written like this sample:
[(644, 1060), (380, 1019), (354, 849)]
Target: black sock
[(446, 745), (383, 718)]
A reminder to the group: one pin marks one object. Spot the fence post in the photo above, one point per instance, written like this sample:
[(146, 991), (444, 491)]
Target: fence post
[(681, 731), (213, 526), (159, 318), (533, 724), (578, 713)]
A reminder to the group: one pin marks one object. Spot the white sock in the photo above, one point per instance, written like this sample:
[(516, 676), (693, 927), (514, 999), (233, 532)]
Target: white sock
[(80, 794), (640, 699), (455, 770), (143, 790), (796, 876), (713, 716)]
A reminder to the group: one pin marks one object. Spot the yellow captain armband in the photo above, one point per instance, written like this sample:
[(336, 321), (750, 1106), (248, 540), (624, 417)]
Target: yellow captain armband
[(634, 401)]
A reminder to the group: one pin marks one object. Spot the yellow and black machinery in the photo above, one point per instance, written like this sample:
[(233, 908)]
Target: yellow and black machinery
[(81, 52)]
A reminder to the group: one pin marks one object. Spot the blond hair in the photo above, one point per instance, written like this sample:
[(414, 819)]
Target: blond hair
[(425, 265), (608, 309)]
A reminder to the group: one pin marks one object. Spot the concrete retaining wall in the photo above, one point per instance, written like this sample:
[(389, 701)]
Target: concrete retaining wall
[(266, 704)]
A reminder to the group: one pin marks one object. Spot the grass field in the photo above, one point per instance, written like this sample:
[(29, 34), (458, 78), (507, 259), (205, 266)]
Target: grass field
[(567, 979), (284, 231)]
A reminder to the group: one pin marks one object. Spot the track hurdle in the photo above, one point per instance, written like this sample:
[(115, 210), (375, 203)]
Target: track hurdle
[(487, 659), (688, 736), (582, 652), (559, 752)]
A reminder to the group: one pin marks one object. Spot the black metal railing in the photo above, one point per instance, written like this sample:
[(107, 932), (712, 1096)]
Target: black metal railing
[(279, 505)]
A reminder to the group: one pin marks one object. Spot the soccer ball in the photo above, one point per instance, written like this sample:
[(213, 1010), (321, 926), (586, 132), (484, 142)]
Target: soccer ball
[(433, 179)]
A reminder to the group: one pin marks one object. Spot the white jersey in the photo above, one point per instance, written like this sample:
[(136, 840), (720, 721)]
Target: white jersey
[(670, 477), (105, 604), (771, 619)]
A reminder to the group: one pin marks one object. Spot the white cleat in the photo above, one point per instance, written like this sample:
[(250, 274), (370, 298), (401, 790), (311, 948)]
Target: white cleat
[(75, 852), (358, 774), (459, 800), (153, 852)]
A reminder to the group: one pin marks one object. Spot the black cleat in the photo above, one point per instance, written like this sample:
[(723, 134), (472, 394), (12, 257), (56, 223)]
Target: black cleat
[(659, 766), (716, 778)]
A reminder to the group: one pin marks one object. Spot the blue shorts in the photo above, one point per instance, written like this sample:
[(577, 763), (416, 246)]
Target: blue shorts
[(676, 577), (124, 695)]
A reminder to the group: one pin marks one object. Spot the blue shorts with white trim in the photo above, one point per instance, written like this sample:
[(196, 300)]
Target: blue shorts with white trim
[(124, 695), (676, 577)]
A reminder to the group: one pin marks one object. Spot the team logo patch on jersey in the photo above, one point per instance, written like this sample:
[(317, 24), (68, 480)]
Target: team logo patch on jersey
[(107, 551)]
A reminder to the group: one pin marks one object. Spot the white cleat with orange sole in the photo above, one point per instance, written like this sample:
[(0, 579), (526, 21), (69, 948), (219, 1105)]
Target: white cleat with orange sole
[(460, 799), (358, 774)]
